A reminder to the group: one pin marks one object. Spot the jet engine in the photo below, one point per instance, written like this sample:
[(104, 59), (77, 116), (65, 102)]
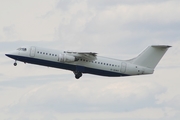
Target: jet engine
[(66, 58)]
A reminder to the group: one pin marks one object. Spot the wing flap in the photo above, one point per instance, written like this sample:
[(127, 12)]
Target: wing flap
[(83, 55)]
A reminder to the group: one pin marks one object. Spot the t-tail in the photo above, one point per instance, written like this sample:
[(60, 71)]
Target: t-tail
[(151, 56)]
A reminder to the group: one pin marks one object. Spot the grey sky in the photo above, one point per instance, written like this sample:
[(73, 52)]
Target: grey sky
[(113, 28)]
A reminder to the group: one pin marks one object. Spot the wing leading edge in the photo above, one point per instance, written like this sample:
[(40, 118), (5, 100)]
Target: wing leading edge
[(83, 55)]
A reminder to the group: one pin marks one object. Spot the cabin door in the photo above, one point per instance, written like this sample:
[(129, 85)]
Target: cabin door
[(123, 67), (32, 51)]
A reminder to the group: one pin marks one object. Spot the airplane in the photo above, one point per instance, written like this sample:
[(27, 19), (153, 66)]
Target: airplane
[(89, 62)]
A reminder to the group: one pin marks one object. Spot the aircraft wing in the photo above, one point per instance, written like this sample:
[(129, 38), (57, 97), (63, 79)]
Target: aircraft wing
[(83, 55)]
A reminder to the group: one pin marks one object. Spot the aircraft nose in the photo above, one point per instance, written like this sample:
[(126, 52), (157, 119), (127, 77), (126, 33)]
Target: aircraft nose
[(7, 55), (11, 54)]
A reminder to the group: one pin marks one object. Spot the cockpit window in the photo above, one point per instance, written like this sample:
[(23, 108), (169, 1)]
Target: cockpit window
[(22, 49)]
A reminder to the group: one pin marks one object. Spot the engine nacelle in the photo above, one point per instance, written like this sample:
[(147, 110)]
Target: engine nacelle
[(66, 58)]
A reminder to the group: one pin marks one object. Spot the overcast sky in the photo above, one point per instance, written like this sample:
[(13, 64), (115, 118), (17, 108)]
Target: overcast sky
[(113, 28)]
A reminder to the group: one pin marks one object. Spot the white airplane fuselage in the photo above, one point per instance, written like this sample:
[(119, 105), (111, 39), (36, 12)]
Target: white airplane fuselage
[(81, 63)]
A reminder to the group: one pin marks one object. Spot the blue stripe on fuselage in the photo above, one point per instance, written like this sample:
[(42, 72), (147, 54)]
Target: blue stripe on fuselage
[(64, 66)]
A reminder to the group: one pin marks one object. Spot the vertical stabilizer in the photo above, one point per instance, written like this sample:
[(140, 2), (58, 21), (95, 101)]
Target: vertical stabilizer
[(151, 56)]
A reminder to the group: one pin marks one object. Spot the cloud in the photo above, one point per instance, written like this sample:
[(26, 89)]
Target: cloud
[(72, 96), (9, 32), (121, 25), (118, 29), (24, 16), (64, 4), (107, 3)]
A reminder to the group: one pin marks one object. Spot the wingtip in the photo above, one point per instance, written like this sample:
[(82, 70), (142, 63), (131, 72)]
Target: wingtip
[(163, 46)]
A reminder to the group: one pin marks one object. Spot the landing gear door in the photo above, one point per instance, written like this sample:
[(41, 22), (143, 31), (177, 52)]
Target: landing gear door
[(80, 69), (32, 51), (123, 67)]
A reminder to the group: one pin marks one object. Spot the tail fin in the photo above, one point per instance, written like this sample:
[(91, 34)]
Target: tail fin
[(151, 56)]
